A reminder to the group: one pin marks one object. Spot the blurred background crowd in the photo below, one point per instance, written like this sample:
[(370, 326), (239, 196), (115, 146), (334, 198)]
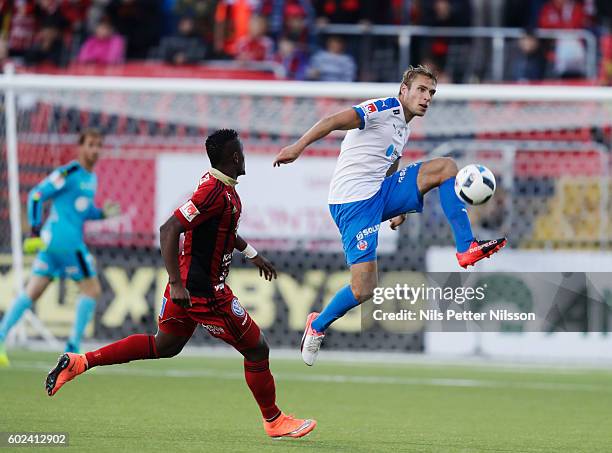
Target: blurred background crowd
[(330, 40)]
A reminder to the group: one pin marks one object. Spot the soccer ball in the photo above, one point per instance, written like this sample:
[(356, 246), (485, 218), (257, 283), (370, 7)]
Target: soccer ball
[(475, 184)]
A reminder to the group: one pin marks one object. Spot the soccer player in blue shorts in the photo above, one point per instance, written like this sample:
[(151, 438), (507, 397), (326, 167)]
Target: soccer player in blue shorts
[(61, 249), (366, 189)]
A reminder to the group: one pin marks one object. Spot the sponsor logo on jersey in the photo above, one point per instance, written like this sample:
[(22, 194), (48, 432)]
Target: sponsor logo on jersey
[(214, 330), (189, 211), (81, 204), (219, 287), (57, 179), (390, 150), (371, 108), (362, 245), (396, 111), (237, 309)]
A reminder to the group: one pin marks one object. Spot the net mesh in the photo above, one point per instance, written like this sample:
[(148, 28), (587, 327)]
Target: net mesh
[(551, 161)]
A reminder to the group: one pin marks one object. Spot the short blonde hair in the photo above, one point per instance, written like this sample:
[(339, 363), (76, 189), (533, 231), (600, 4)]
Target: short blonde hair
[(411, 73)]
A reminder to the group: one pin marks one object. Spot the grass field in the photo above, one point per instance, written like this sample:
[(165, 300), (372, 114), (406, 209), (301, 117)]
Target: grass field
[(202, 404)]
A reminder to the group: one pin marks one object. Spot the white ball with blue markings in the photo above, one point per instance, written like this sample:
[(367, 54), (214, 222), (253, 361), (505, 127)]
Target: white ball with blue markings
[(475, 184)]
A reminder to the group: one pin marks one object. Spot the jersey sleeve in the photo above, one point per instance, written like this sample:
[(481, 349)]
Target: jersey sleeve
[(94, 213), (48, 188), (205, 203), (375, 111)]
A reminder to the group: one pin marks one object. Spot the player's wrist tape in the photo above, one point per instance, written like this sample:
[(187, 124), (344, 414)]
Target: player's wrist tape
[(249, 251)]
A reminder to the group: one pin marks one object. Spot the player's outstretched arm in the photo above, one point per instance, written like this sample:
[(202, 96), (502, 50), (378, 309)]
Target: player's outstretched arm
[(169, 234), (43, 191), (266, 268), (341, 121)]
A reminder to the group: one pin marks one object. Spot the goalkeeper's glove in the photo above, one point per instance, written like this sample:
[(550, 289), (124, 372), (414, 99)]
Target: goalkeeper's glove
[(111, 209), (34, 243)]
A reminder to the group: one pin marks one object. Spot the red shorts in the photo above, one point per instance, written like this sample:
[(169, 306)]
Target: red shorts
[(222, 316)]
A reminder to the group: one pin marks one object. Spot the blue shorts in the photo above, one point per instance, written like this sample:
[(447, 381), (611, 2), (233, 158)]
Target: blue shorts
[(76, 265), (359, 221)]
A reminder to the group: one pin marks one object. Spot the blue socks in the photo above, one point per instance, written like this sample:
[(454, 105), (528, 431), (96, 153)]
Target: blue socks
[(342, 302), (84, 313), (455, 212), (14, 314)]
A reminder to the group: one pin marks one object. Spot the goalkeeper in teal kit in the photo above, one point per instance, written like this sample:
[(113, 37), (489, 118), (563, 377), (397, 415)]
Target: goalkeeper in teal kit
[(59, 241)]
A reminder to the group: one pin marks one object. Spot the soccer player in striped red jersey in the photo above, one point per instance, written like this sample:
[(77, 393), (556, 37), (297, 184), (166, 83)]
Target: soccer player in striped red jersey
[(197, 293)]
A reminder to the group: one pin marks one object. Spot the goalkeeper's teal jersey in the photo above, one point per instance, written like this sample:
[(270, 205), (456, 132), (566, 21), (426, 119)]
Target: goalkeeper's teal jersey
[(71, 190)]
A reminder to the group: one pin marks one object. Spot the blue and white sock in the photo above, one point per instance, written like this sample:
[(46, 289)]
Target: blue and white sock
[(86, 307), (342, 302), (457, 216), (14, 314)]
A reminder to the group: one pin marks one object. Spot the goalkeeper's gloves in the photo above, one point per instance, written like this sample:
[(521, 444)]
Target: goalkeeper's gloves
[(34, 243), (111, 209)]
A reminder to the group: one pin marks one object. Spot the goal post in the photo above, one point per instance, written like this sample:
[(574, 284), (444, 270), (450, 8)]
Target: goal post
[(549, 147)]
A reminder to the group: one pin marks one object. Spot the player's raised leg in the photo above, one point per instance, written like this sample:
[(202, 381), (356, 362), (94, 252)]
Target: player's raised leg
[(135, 347), (441, 173), (35, 287), (364, 278)]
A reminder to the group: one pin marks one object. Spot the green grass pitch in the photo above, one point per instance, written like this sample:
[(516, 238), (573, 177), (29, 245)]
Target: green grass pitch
[(202, 404)]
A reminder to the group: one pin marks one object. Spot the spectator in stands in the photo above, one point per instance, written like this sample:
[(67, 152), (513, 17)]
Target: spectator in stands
[(48, 47), (298, 26), (529, 61), (49, 14), (289, 18), (447, 53), (139, 21), (567, 14), (332, 64), (22, 25), (104, 47), (76, 13), (521, 13), (185, 47), (203, 14), (232, 23), (256, 46), (293, 58), (569, 53), (339, 11)]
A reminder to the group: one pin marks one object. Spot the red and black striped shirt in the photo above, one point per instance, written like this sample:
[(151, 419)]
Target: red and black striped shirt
[(210, 218)]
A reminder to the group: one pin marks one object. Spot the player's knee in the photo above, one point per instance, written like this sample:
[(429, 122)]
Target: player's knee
[(448, 168), (362, 293), (259, 352), (92, 288), (166, 349)]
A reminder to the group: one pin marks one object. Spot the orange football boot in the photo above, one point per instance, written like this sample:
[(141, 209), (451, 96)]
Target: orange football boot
[(289, 426), (68, 367)]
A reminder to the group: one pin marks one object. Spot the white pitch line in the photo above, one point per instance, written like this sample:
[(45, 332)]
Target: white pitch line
[(331, 378)]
